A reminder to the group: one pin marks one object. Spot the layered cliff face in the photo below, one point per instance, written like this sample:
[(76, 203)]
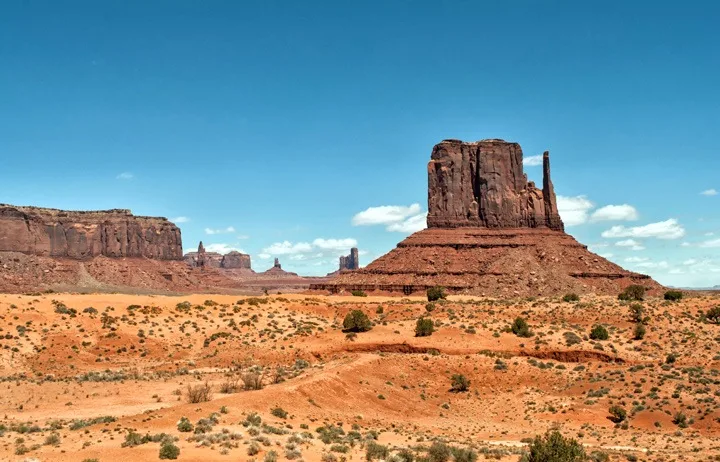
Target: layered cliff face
[(84, 235), (482, 184)]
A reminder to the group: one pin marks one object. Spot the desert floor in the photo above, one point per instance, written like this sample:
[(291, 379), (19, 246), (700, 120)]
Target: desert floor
[(103, 377)]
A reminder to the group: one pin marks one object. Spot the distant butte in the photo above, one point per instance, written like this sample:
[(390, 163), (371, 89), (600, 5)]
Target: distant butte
[(490, 232)]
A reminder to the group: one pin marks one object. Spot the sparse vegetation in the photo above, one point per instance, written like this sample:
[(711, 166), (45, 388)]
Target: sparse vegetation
[(356, 321), (521, 328), (632, 293), (424, 327), (599, 332), (554, 447), (571, 297), (673, 295), (459, 383), (436, 293), (199, 393)]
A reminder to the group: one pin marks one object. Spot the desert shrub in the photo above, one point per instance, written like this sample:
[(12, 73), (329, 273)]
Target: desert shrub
[(405, 455), (617, 414), (271, 456), (459, 383), (599, 332), (599, 456), (376, 451), (673, 295), (252, 381), (632, 292), (571, 297), (671, 358), (356, 321), (424, 327), (230, 385), (639, 331), (253, 449), (279, 412), (713, 315), (199, 393), (439, 452), (680, 420), (358, 293), (521, 328), (53, 439), (637, 314), (169, 451), (252, 420), (184, 425), (436, 293), (430, 307), (553, 447), (463, 454)]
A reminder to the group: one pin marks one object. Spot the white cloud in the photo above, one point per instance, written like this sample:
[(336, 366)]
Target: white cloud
[(227, 230), (385, 215), (222, 248), (710, 234), (243, 236), (411, 225), (287, 248), (655, 265), (606, 255), (180, 220), (264, 256), (668, 229), (297, 257), (574, 210), (622, 212), (533, 161), (335, 244), (636, 259), (711, 243), (632, 243), (709, 192), (685, 244), (125, 176), (689, 262)]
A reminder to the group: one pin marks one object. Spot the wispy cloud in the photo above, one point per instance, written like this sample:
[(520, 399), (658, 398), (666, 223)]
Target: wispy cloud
[(711, 243), (125, 176), (396, 218), (668, 229), (622, 212), (335, 244), (533, 161), (631, 243), (227, 230), (180, 220), (709, 192)]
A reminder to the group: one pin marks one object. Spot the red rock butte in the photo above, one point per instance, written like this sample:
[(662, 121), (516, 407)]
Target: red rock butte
[(490, 232)]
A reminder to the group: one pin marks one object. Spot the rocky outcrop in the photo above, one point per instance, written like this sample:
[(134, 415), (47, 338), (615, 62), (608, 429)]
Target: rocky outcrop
[(350, 262), (84, 235), (203, 259), (490, 232), (482, 184)]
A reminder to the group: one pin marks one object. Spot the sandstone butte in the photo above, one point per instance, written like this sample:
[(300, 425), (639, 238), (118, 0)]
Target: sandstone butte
[(490, 232)]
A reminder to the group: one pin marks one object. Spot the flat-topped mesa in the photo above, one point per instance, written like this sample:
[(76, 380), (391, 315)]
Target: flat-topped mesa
[(86, 234), (482, 184), (350, 262)]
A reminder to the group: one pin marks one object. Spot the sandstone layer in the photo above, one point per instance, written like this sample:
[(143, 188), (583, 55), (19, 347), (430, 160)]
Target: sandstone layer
[(231, 260), (84, 235), (491, 232)]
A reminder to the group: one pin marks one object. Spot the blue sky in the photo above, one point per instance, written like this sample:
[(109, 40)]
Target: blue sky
[(269, 125)]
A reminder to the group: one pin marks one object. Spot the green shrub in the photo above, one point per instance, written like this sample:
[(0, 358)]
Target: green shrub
[(184, 425), (520, 328), (459, 383), (673, 295), (639, 332), (553, 447), (680, 420), (632, 292), (424, 327), (617, 414), (279, 412), (169, 451), (571, 297), (356, 321), (358, 293), (463, 455), (436, 293), (713, 315), (671, 358), (430, 307), (599, 332)]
